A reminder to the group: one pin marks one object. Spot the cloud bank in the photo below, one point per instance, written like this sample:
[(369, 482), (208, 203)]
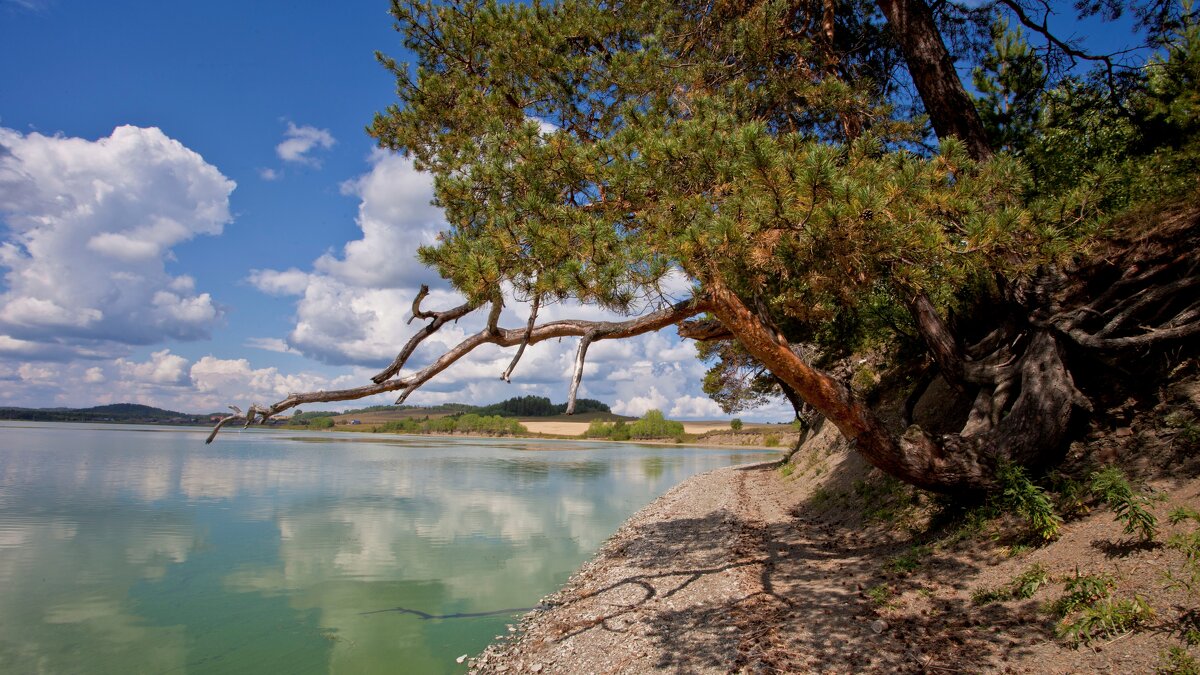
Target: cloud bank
[(91, 225)]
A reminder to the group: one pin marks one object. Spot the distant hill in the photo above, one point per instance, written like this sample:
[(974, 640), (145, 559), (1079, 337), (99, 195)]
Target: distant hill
[(128, 413)]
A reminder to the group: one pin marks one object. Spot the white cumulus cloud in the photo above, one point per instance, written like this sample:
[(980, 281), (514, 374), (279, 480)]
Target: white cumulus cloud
[(163, 367), (91, 225), (352, 307), (298, 142)]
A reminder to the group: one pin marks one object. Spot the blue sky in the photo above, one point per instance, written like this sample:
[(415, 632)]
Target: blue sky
[(194, 216)]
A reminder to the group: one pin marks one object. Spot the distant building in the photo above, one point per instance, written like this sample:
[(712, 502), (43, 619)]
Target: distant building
[(355, 422)]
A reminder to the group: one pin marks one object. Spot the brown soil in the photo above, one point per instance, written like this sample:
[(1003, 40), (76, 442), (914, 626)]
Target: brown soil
[(749, 570)]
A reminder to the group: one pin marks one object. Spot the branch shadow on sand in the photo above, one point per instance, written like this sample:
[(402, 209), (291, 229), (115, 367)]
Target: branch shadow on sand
[(808, 603)]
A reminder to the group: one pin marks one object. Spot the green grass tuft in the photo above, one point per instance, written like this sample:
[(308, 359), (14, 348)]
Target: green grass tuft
[(1113, 488)]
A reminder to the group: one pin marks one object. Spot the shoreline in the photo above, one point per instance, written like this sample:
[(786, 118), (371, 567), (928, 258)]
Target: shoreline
[(658, 559), (544, 437)]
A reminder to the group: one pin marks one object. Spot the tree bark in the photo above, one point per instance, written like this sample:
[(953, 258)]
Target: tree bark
[(949, 107), (917, 460)]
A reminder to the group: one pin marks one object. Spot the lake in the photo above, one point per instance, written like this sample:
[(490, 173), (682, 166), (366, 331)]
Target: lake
[(127, 549)]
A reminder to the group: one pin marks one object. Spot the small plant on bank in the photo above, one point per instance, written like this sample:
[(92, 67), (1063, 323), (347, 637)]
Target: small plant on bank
[(1187, 543), (1021, 496), (1187, 429), (1113, 488), (1071, 495), (1176, 661), (880, 595), (735, 424), (1022, 587), (1108, 617), (1088, 611), (787, 469), (1081, 591), (909, 561), (771, 441), (886, 499)]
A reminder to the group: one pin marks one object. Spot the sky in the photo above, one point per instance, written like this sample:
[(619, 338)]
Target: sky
[(193, 216)]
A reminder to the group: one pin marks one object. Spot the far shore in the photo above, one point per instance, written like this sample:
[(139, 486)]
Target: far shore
[(557, 430)]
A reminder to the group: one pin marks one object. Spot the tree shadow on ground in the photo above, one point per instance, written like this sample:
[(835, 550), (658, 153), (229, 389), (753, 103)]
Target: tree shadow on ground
[(808, 602)]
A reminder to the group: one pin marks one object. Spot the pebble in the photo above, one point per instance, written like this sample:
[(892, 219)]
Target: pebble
[(879, 625), (537, 668)]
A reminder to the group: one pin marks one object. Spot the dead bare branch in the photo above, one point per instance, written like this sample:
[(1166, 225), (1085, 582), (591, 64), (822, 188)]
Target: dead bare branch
[(703, 330), (491, 334), (439, 319), (533, 310), (577, 376)]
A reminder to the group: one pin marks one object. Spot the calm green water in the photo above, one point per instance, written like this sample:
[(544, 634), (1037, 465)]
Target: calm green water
[(141, 550)]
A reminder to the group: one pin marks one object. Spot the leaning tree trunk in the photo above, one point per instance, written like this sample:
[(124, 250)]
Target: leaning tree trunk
[(1137, 296), (950, 109), (915, 458)]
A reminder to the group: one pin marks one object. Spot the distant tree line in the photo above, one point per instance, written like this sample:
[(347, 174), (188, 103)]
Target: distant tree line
[(470, 423), (539, 406), (518, 406)]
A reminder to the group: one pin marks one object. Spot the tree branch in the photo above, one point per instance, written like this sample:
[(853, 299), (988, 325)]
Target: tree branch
[(491, 334), (439, 319), (703, 330), (577, 376), (521, 349)]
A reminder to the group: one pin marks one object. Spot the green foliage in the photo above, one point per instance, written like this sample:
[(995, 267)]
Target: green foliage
[(598, 429), (885, 499), (654, 425), (880, 595), (1098, 151), (1083, 590), (714, 155), (470, 423), (1187, 543), (620, 431), (307, 417), (1176, 660), (1010, 80), (735, 424), (538, 406), (864, 379), (787, 470), (1022, 587), (1021, 496), (771, 440), (322, 422), (1186, 425), (1112, 487), (1104, 618), (909, 561)]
